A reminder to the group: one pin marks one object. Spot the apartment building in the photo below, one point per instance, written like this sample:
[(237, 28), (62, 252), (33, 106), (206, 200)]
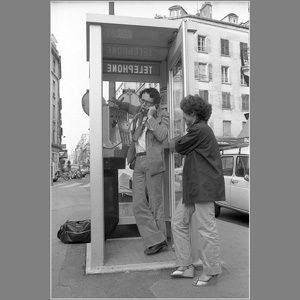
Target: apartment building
[(221, 68), (221, 59), (56, 131)]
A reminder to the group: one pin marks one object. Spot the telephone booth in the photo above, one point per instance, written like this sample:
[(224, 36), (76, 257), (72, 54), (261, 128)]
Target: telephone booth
[(127, 49)]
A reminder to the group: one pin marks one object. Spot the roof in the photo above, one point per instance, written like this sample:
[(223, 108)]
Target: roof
[(176, 7), (231, 14), (220, 22)]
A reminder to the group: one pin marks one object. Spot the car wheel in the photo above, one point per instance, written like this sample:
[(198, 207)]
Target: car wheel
[(217, 210)]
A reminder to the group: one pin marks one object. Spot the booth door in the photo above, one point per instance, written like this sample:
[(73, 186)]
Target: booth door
[(177, 64)]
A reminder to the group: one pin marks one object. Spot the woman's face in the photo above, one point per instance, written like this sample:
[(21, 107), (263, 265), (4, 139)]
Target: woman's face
[(189, 119)]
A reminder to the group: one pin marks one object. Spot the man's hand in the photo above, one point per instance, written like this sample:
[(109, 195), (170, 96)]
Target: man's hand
[(151, 111)]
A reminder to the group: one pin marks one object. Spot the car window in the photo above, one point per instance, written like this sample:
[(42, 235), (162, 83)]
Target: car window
[(242, 166), (227, 165)]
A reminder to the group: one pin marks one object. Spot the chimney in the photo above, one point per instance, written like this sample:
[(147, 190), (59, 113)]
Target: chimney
[(205, 11)]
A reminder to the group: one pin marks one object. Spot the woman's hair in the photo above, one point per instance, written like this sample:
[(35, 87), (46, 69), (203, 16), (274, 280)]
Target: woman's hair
[(153, 93), (195, 104)]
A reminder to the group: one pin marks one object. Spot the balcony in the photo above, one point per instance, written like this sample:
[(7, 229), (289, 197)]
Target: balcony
[(245, 58)]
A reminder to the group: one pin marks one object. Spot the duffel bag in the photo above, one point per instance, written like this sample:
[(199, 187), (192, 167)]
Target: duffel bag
[(75, 232)]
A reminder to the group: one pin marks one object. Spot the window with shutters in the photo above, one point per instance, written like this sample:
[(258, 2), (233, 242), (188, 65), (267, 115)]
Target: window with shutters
[(245, 102), (53, 132), (225, 74), (227, 128), (226, 100), (53, 89), (203, 76), (203, 72), (224, 47), (204, 95), (202, 46), (209, 72), (243, 82), (244, 53)]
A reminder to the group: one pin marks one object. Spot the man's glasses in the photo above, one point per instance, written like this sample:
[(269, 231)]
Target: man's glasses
[(145, 102)]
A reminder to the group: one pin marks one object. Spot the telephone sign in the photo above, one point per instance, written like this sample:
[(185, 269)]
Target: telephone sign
[(132, 68)]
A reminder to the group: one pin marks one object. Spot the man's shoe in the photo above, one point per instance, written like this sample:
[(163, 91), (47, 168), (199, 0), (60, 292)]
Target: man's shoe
[(156, 248)]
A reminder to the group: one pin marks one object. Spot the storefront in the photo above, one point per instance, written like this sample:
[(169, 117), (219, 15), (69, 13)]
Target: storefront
[(127, 49)]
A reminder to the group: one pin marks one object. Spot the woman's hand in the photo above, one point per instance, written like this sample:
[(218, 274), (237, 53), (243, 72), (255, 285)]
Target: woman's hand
[(113, 103)]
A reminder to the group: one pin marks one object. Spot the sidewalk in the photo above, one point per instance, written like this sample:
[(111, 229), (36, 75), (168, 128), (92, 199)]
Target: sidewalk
[(69, 279)]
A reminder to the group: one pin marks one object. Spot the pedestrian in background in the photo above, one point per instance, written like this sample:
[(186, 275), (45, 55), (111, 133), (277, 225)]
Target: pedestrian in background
[(203, 183), (150, 125), (68, 166)]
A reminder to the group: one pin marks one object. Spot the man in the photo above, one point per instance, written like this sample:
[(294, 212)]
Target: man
[(152, 129)]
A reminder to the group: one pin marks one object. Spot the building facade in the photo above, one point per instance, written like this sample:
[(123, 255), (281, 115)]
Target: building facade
[(56, 130), (221, 67), (82, 151)]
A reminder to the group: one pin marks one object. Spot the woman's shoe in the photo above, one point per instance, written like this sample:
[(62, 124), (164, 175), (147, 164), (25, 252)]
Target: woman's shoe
[(184, 272), (205, 282)]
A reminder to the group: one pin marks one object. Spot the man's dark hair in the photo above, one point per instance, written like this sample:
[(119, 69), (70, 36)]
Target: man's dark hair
[(195, 104), (153, 93)]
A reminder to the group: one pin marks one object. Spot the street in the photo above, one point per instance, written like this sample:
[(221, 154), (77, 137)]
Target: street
[(71, 201)]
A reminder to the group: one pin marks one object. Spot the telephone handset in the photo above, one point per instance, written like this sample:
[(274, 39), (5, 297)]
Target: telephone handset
[(144, 110)]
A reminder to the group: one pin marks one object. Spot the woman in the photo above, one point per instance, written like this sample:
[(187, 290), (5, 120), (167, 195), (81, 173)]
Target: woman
[(203, 183)]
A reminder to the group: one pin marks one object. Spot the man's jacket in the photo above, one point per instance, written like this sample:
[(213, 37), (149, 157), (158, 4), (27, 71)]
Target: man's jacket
[(155, 137)]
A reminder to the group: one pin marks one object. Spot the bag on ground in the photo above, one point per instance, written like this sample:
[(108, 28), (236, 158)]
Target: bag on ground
[(75, 232)]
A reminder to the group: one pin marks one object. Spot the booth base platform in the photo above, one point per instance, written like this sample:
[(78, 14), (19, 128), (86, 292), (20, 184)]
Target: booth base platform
[(127, 254)]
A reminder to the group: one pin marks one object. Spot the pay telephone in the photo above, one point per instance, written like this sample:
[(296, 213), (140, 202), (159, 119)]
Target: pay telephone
[(115, 130), (116, 133)]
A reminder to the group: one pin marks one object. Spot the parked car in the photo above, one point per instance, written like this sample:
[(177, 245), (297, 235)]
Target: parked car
[(76, 171), (84, 171), (235, 163)]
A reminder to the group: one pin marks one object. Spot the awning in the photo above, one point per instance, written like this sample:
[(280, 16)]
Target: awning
[(244, 135)]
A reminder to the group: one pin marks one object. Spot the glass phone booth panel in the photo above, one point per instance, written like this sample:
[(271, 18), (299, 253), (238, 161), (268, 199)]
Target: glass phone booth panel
[(177, 129)]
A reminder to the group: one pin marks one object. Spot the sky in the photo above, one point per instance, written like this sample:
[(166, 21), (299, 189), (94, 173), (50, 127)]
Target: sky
[(68, 25)]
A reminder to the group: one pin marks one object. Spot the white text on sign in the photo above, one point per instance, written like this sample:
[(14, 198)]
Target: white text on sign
[(127, 68)]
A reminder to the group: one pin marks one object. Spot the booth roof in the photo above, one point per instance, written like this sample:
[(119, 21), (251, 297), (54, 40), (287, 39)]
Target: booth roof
[(119, 31)]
